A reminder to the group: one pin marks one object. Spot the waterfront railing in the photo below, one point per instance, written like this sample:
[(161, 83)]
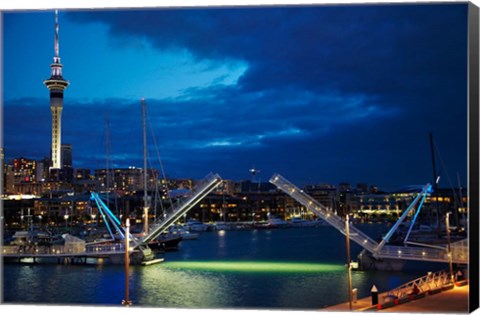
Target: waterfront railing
[(323, 212), (60, 250), (431, 282)]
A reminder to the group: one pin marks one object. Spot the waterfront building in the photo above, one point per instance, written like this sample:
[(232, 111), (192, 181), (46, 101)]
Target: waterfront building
[(362, 188), (39, 188), (227, 187), (347, 203), (449, 200), (13, 211), (60, 208), (381, 206), (326, 194), (56, 84)]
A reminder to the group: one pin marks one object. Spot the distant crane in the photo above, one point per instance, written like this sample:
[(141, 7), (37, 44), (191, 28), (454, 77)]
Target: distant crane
[(254, 172)]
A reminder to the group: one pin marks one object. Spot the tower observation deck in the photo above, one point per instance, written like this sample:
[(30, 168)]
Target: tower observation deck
[(56, 84)]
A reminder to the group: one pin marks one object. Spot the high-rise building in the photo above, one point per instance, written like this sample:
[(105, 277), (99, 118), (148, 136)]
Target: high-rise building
[(126, 179), (56, 85), (66, 150), (67, 160), (25, 170), (9, 179)]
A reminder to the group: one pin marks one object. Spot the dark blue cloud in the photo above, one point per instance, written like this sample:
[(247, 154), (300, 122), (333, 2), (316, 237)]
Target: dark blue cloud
[(330, 93), (354, 49)]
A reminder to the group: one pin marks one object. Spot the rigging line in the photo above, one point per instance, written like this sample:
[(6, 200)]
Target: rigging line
[(155, 202), (161, 163), (156, 190), (446, 173), (107, 142)]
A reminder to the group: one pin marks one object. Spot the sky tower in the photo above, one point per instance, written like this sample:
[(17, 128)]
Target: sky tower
[(56, 84)]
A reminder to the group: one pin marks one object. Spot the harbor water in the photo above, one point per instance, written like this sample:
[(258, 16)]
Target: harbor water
[(291, 269)]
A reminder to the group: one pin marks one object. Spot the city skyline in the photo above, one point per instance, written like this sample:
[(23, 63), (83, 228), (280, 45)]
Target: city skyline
[(316, 93)]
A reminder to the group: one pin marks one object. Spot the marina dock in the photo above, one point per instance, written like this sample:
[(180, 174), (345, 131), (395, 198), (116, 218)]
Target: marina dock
[(62, 254)]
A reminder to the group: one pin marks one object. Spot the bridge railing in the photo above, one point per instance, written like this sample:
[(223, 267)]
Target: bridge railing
[(103, 248), (31, 250), (18, 250), (323, 212), (202, 189), (413, 253), (459, 249)]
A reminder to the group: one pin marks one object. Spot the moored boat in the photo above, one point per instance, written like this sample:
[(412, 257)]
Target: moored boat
[(277, 223), (197, 226), (184, 233), (166, 242), (299, 222)]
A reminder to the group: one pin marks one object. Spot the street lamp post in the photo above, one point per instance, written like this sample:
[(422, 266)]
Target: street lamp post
[(349, 270), (127, 301), (66, 219), (449, 248)]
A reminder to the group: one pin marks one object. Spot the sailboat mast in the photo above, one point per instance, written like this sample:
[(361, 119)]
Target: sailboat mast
[(435, 182), (107, 184), (145, 196)]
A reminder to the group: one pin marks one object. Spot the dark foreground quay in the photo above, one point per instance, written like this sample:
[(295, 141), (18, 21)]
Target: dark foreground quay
[(452, 300)]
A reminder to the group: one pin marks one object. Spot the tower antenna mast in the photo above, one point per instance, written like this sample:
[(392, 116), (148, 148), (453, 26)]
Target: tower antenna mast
[(56, 84), (57, 45)]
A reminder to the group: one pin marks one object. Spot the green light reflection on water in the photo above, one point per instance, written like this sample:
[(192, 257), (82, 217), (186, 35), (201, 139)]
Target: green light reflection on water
[(254, 266)]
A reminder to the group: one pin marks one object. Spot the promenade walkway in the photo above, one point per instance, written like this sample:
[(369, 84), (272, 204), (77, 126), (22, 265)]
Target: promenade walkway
[(448, 301)]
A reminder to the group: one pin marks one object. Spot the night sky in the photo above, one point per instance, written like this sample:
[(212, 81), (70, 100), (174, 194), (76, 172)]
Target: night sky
[(319, 94)]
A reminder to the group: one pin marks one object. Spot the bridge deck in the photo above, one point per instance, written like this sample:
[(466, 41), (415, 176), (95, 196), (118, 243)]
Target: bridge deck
[(459, 249), (206, 186)]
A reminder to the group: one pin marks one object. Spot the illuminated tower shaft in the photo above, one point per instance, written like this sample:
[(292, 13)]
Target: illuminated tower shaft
[(56, 84)]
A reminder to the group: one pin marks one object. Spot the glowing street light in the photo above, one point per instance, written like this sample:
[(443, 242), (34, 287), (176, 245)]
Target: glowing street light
[(349, 269), (127, 301), (449, 248)]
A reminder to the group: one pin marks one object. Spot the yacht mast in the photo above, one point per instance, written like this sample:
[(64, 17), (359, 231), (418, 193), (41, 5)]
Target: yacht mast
[(107, 174), (145, 196), (435, 183)]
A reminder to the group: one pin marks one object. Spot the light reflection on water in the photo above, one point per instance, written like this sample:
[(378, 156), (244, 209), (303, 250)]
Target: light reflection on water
[(247, 284), (289, 269), (190, 285), (175, 288)]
